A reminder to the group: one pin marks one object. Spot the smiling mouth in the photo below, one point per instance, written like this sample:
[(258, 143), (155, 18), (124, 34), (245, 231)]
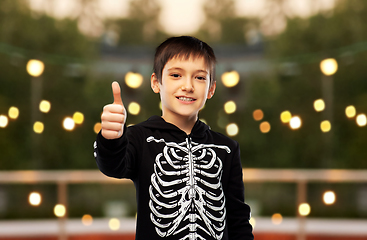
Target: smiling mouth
[(186, 99)]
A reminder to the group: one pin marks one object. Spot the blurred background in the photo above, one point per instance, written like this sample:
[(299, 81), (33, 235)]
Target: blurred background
[(291, 89)]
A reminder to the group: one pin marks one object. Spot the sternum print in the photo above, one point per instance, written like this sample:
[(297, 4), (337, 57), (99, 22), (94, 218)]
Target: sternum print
[(186, 195)]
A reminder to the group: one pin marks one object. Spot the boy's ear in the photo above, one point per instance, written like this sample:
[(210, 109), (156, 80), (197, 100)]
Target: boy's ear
[(211, 90), (154, 83)]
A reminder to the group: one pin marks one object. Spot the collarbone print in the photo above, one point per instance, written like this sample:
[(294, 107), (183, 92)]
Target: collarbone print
[(186, 194)]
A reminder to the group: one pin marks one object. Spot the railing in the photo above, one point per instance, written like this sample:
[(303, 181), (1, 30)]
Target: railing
[(300, 177)]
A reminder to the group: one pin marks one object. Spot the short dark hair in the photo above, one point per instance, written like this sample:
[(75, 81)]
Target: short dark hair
[(183, 47)]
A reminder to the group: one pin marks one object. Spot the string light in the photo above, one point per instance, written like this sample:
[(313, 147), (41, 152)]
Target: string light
[(230, 107), (285, 116), (59, 210), (265, 127), (34, 198), (304, 209), (68, 124), (87, 220), (325, 126), (114, 224), (133, 80), (38, 127), (3, 121), (295, 122), (329, 66), (350, 111), (319, 105), (13, 112), (329, 197), (230, 79), (45, 106), (258, 114), (78, 117), (232, 129), (134, 108), (35, 67), (97, 127), (361, 120), (276, 218)]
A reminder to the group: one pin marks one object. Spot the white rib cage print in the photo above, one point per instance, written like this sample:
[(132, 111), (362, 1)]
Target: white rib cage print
[(186, 191)]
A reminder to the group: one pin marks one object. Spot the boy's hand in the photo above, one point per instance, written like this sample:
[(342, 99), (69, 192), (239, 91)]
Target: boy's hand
[(114, 115)]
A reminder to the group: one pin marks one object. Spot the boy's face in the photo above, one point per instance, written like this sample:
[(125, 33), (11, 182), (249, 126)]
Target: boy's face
[(184, 88)]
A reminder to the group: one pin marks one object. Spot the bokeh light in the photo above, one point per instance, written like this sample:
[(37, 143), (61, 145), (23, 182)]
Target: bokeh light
[(78, 117), (45, 106), (304, 209), (295, 122), (329, 197), (329, 66), (265, 127), (114, 224), (325, 126), (285, 116), (232, 129), (3, 121), (258, 114), (87, 220), (68, 124), (13, 112), (59, 210), (34, 198), (361, 120), (230, 79), (133, 80), (38, 127), (350, 111), (35, 67), (276, 218), (97, 127), (319, 105), (134, 108), (230, 107)]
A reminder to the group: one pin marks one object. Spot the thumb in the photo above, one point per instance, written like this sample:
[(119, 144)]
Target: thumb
[(116, 90)]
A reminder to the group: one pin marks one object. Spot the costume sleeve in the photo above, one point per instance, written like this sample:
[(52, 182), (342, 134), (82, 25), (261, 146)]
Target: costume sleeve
[(238, 212), (116, 157)]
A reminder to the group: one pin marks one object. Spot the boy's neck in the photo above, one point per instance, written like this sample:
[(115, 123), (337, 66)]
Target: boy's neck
[(185, 124)]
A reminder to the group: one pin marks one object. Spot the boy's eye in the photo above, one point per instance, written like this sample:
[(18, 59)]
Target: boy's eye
[(175, 75), (201, 78)]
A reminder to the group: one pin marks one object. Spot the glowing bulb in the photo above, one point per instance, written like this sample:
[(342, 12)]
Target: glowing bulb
[(361, 120), (13, 112), (230, 79), (35, 67), (97, 127), (329, 197), (59, 210), (350, 111), (87, 220), (3, 121), (265, 127), (295, 122), (34, 199), (285, 116), (325, 126), (133, 80), (68, 124), (45, 106), (78, 117), (38, 127), (114, 224), (276, 218), (134, 108), (258, 114), (319, 105), (329, 66), (304, 209), (232, 129), (230, 107)]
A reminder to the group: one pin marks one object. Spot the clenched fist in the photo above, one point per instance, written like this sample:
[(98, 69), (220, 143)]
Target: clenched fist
[(114, 115)]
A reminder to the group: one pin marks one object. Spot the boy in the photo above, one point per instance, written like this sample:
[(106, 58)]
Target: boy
[(188, 178)]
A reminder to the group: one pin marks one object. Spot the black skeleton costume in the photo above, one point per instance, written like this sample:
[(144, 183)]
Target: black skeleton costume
[(188, 186)]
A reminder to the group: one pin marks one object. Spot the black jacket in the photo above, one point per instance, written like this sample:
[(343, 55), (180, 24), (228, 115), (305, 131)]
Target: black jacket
[(187, 186)]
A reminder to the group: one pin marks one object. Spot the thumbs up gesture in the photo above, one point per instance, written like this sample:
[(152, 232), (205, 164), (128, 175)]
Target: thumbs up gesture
[(114, 115)]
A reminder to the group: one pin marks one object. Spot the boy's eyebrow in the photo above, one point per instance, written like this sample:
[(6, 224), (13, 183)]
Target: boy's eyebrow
[(178, 68)]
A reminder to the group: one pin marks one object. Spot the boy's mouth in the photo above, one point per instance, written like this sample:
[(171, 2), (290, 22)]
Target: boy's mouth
[(186, 99)]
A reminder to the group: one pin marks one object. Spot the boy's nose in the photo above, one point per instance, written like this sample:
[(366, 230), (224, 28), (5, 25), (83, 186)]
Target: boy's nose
[(188, 86)]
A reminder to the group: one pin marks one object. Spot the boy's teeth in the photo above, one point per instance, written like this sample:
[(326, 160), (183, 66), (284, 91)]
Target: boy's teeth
[(185, 99)]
